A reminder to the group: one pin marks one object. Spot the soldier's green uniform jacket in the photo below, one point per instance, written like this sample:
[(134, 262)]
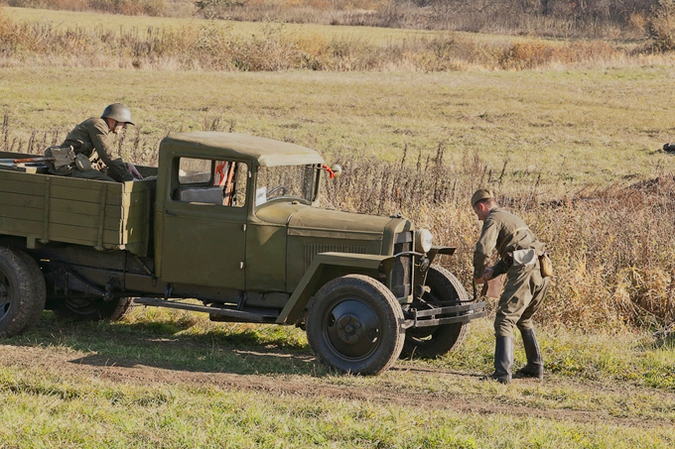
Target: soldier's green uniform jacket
[(525, 287), (507, 233), (94, 134)]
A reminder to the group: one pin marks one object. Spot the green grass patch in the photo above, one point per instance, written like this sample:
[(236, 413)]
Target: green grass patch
[(45, 406)]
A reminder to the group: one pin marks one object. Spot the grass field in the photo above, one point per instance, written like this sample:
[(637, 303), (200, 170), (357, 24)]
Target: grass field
[(116, 23), (179, 381), (575, 128)]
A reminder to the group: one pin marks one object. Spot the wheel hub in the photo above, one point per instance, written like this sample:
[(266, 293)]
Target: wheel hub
[(349, 329), (353, 328)]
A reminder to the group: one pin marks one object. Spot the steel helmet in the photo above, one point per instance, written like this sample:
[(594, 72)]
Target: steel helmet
[(118, 112)]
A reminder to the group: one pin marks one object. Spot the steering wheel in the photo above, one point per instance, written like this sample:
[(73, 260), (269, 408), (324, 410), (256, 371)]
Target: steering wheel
[(272, 192)]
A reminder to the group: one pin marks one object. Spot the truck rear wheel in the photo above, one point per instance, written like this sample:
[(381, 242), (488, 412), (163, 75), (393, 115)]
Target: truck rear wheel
[(40, 289), (21, 292), (444, 289), (92, 309), (355, 325)]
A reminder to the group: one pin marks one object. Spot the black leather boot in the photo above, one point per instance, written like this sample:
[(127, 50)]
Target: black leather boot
[(535, 364), (503, 360)]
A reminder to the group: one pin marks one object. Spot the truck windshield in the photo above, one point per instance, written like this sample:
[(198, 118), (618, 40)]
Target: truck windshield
[(294, 181)]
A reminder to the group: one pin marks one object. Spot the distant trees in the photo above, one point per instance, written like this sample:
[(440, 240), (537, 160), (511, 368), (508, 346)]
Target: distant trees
[(653, 19), (615, 10)]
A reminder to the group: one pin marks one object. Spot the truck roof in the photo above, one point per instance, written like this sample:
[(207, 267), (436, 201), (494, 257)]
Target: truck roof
[(267, 152)]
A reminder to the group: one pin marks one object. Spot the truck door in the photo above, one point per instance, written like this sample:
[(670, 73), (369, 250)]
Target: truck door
[(204, 231)]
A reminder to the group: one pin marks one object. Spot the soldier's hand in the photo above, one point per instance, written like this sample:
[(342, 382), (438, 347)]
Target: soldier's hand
[(134, 171), (488, 274)]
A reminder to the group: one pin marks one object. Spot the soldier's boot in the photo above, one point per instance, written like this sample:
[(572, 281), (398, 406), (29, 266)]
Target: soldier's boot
[(503, 360), (535, 364)]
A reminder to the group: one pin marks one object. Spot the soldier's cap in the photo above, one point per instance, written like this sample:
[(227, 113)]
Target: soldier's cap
[(481, 194)]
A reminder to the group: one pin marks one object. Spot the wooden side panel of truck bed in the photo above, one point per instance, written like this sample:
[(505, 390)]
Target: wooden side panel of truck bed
[(104, 215)]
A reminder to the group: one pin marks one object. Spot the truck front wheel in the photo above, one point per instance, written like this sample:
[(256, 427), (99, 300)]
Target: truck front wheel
[(21, 292), (355, 325), (444, 289)]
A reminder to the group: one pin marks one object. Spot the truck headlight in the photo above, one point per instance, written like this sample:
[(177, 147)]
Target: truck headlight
[(423, 240)]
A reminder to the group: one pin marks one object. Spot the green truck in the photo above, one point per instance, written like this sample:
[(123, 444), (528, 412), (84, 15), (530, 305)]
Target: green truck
[(229, 225)]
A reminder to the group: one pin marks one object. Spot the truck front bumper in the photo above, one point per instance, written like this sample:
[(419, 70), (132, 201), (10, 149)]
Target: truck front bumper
[(438, 316)]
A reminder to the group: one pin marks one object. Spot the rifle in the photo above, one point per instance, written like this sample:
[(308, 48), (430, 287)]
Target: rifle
[(25, 159)]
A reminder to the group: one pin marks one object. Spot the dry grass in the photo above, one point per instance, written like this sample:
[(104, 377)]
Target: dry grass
[(207, 45), (566, 19), (613, 249)]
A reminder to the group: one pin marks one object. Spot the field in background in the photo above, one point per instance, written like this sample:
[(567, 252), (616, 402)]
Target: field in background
[(628, 19)]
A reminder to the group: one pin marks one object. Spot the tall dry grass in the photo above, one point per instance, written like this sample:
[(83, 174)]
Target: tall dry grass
[(216, 46), (562, 18), (568, 19), (613, 248)]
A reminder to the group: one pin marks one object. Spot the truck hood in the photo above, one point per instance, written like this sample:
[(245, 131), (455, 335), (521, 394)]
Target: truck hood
[(305, 220)]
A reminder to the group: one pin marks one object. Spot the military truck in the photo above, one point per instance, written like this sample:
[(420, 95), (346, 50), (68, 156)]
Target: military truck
[(229, 225)]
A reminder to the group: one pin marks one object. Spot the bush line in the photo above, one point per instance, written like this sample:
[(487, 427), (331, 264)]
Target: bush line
[(215, 46)]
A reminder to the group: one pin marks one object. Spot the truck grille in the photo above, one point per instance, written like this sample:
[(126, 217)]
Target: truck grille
[(401, 275), (312, 249)]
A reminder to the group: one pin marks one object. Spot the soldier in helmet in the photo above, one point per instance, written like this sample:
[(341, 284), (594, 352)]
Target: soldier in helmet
[(89, 151), (524, 289)]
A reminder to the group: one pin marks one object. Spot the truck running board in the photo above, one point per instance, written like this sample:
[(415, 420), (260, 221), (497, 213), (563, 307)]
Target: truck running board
[(217, 313)]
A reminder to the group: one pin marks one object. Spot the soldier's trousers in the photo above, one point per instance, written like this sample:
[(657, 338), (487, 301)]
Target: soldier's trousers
[(522, 296), (75, 173)]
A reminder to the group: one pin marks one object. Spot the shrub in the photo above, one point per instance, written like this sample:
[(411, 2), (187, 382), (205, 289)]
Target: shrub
[(662, 25)]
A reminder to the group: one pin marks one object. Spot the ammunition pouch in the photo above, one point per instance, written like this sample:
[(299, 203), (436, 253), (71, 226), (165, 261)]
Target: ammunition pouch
[(65, 160), (82, 162)]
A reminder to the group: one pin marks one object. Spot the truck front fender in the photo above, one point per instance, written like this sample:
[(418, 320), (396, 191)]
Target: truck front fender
[(436, 250), (423, 267), (328, 266)]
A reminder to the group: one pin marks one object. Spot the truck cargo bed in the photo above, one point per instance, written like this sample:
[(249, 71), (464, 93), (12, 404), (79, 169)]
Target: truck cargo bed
[(46, 208)]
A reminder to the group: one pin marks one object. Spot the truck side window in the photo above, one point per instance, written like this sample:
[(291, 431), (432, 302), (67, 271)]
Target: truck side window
[(211, 181)]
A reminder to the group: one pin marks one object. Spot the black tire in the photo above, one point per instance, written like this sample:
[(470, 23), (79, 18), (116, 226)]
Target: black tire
[(39, 290), (355, 325), (434, 341), (18, 298), (92, 309)]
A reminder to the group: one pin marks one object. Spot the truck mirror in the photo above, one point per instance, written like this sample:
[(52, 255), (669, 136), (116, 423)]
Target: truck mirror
[(337, 169)]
